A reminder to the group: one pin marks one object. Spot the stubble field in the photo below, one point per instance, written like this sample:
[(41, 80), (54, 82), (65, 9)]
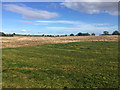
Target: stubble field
[(20, 41)]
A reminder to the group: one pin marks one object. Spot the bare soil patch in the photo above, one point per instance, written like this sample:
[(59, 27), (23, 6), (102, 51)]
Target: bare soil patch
[(20, 41)]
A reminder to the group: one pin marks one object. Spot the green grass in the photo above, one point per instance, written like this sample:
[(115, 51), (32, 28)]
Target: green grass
[(72, 65)]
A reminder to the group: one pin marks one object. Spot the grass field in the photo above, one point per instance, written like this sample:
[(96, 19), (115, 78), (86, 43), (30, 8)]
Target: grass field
[(72, 65)]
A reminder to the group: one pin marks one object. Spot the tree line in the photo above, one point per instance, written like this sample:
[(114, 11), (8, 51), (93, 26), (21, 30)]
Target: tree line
[(78, 34)]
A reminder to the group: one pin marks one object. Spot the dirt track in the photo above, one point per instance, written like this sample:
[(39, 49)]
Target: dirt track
[(20, 41)]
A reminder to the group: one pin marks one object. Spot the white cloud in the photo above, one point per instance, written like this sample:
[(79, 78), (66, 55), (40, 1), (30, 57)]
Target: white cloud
[(30, 13), (23, 21), (92, 0), (69, 22), (57, 28), (23, 30), (60, 21), (93, 7), (77, 26), (102, 24), (85, 27)]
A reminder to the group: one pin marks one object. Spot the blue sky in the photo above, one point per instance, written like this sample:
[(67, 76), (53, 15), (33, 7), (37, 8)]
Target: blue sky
[(59, 17)]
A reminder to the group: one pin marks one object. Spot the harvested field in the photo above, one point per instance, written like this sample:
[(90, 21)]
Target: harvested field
[(20, 41)]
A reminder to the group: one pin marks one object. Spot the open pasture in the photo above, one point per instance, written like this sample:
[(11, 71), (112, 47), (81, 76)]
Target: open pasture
[(71, 65)]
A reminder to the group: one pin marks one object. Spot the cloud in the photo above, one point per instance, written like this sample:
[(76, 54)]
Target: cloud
[(93, 7), (102, 24), (85, 27), (30, 13), (26, 21), (60, 21), (69, 22), (75, 27), (23, 30), (92, 0), (90, 29)]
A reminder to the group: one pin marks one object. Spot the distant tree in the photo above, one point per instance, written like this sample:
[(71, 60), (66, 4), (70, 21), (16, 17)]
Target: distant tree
[(87, 34), (50, 35), (116, 33), (10, 35), (14, 34), (79, 34), (2, 34), (83, 34), (93, 34), (71, 34), (65, 35), (106, 33), (43, 35)]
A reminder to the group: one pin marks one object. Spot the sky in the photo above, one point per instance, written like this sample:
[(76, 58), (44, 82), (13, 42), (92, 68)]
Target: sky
[(61, 18)]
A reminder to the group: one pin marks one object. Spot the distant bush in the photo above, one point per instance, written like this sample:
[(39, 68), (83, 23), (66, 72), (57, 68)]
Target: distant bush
[(43, 35), (106, 33), (14, 34), (83, 34), (87, 34), (7, 35), (93, 34), (79, 34), (71, 34), (116, 33), (2, 34)]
